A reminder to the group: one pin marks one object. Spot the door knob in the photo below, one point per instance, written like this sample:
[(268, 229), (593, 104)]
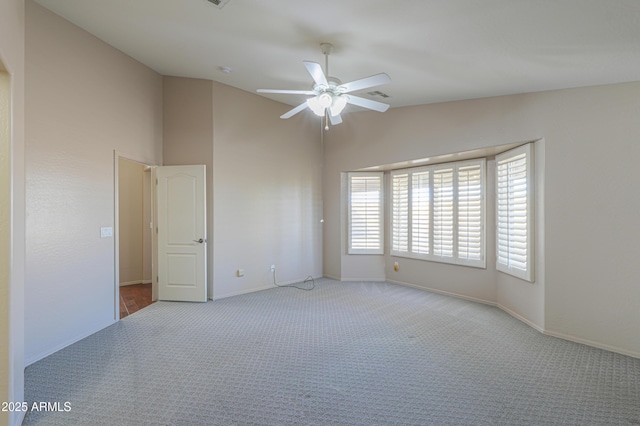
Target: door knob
[(199, 241)]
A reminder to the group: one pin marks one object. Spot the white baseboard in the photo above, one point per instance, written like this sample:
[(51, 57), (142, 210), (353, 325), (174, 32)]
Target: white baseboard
[(332, 277), (591, 343), (446, 293), (238, 293), (77, 338), (366, 280), (265, 287), (350, 279), (126, 283), (316, 277), (527, 322), (17, 418), (521, 318)]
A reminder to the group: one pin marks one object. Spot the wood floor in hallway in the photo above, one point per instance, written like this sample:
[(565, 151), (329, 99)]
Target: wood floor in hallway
[(133, 298)]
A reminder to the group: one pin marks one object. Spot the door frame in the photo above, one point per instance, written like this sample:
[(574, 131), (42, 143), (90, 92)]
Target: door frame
[(117, 155)]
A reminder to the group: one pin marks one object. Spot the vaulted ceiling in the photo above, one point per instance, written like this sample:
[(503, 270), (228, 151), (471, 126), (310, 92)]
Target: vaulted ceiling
[(434, 50)]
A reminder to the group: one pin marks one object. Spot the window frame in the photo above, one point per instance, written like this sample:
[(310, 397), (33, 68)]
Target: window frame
[(409, 238), (380, 208), (510, 156)]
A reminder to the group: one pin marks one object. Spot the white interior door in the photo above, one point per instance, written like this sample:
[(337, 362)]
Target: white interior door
[(182, 233)]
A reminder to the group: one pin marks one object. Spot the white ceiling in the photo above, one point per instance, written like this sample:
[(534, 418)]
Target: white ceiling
[(434, 50)]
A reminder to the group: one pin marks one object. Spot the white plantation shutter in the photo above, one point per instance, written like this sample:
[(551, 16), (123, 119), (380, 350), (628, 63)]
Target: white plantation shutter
[(365, 213), (400, 213), (471, 212), (438, 213), (420, 213), (514, 210), (443, 212)]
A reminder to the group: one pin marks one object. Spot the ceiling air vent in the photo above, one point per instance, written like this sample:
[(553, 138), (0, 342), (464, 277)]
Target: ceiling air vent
[(218, 3), (378, 93)]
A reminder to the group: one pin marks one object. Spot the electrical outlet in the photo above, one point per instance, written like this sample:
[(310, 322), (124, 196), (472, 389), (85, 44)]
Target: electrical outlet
[(396, 267), (273, 268), (240, 272)]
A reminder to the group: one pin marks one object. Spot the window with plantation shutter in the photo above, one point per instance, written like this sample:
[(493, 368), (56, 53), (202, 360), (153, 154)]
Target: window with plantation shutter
[(514, 211), (470, 213), (443, 212), (365, 213), (420, 213), (438, 213), (400, 213)]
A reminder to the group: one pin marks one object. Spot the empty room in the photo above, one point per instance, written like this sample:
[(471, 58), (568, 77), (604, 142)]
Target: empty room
[(355, 213)]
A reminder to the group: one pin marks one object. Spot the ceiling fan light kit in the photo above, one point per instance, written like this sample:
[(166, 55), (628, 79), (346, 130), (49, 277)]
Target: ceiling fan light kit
[(330, 96)]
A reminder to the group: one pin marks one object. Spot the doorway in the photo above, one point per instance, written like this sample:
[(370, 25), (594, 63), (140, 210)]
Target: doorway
[(135, 288)]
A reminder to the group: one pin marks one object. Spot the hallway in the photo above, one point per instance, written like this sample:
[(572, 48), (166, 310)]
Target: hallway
[(133, 298)]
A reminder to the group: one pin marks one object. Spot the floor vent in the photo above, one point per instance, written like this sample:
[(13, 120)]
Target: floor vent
[(218, 3)]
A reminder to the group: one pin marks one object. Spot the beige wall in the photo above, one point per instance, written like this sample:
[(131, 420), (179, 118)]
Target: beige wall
[(267, 193), (264, 179), (131, 221), (85, 100), (12, 199), (5, 228), (188, 138), (586, 249)]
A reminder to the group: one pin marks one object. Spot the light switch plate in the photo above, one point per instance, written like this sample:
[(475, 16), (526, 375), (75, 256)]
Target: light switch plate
[(106, 231)]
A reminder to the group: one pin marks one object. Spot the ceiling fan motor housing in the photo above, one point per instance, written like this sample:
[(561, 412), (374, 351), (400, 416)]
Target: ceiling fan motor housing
[(330, 96)]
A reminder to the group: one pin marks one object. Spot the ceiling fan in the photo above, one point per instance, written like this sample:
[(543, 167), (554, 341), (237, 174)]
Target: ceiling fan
[(330, 95)]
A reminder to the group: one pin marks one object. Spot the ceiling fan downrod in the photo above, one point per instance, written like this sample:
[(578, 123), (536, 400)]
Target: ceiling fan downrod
[(329, 94), (327, 48)]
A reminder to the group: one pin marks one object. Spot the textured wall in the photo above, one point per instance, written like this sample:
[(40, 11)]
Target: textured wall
[(263, 182), (12, 52), (267, 193), (94, 101), (5, 229), (188, 138), (587, 253), (131, 230)]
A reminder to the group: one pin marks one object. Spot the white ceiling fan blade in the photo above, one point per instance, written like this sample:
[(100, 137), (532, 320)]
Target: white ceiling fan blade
[(294, 111), (316, 73), (367, 103), (365, 83), (335, 119), (287, 92)]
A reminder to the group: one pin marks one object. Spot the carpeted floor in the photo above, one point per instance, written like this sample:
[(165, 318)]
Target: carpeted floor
[(341, 354)]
